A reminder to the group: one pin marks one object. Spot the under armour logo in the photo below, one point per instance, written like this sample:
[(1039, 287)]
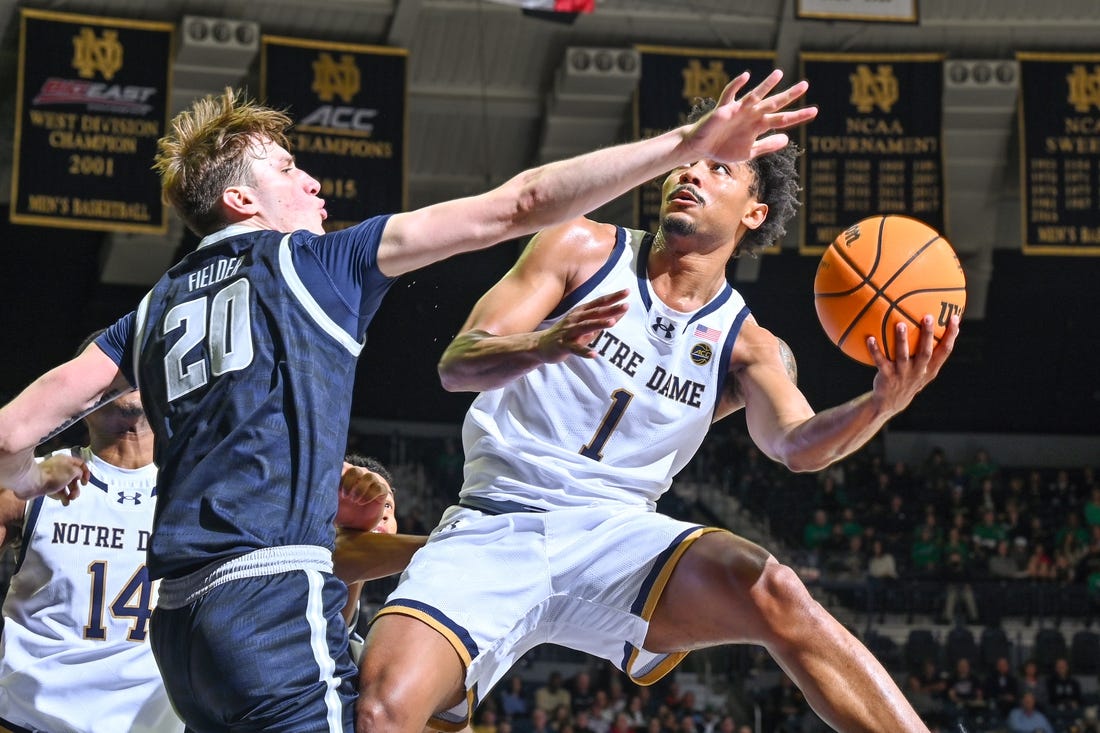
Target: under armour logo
[(122, 498), (663, 327)]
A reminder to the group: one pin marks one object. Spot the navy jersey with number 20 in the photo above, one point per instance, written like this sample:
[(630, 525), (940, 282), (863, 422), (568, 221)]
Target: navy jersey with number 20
[(245, 355)]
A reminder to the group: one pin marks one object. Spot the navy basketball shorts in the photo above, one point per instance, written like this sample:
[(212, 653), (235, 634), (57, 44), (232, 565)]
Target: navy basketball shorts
[(264, 653)]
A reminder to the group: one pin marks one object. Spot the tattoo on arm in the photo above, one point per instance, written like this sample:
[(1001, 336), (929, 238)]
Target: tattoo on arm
[(789, 363), (108, 396)]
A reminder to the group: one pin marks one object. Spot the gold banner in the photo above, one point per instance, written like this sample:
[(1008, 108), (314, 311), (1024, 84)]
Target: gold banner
[(1060, 153), (91, 103)]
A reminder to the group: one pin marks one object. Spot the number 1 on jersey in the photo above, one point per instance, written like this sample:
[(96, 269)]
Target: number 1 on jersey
[(620, 398)]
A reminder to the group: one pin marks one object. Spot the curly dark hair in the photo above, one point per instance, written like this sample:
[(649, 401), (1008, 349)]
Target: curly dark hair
[(775, 184), (371, 464)]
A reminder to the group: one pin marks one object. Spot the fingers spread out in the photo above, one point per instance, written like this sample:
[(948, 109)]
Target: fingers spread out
[(764, 88), (735, 85)]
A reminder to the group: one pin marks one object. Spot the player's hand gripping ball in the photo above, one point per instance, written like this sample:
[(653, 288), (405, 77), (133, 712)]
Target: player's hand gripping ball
[(883, 270)]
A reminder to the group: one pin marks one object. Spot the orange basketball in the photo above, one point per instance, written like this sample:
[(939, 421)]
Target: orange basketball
[(883, 270)]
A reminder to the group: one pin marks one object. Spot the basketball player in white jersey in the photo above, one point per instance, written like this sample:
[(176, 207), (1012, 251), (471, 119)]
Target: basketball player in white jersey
[(602, 358), (75, 655)]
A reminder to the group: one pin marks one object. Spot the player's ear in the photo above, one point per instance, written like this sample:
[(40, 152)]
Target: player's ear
[(755, 215), (240, 199)]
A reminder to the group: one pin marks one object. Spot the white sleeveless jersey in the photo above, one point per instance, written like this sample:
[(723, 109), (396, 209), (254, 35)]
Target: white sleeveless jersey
[(615, 428), (75, 652)]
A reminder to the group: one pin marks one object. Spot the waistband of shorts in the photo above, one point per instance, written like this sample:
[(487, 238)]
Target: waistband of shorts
[(183, 591), (496, 506)]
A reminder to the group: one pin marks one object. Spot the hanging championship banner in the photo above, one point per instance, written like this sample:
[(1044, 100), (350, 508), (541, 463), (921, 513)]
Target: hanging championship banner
[(876, 146), (672, 79), (1060, 153), (91, 102), (349, 108)]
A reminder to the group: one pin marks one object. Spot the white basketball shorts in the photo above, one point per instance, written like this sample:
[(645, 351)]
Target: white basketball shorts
[(497, 585)]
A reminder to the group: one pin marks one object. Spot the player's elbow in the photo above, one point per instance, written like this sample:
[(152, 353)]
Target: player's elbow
[(801, 464), (448, 380), (800, 459), (451, 376), (525, 201), (13, 440)]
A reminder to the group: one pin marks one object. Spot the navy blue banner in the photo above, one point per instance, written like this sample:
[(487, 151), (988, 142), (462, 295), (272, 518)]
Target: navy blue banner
[(672, 80), (349, 107), (1060, 153), (876, 146), (92, 101)]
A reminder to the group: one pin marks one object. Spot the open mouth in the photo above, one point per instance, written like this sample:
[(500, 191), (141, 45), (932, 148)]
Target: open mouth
[(685, 195)]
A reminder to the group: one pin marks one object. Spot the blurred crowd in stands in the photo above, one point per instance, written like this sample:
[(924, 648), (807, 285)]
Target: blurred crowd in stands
[(956, 540)]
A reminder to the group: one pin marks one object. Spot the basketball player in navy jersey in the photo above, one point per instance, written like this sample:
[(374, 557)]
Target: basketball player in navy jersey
[(602, 358), (75, 655), (245, 353)]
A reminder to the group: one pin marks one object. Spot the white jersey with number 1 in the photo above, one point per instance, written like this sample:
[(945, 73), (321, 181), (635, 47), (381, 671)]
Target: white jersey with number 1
[(615, 428), (75, 653)]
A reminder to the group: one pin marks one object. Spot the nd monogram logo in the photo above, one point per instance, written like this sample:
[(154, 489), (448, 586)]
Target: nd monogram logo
[(1084, 88), (700, 82), (331, 78), (91, 54), (870, 90)]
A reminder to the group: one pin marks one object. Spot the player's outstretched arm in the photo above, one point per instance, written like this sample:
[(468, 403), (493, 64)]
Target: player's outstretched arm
[(371, 555), (784, 427), (50, 404), (498, 342), (12, 509), (737, 129)]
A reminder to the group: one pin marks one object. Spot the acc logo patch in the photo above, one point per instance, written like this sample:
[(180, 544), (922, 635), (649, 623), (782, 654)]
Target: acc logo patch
[(701, 353)]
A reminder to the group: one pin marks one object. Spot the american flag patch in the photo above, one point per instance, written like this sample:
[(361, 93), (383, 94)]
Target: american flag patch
[(704, 332)]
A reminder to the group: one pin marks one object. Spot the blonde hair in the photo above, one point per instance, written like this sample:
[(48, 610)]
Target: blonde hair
[(206, 150)]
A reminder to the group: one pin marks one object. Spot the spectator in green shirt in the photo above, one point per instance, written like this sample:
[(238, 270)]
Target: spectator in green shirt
[(817, 531), (1092, 508), (987, 533), (925, 552)]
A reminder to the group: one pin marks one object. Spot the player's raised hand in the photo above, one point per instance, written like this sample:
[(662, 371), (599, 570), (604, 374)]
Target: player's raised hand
[(741, 128), (61, 477), (576, 330)]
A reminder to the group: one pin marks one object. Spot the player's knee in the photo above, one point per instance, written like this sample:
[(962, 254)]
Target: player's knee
[(378, 713), (782, 593)]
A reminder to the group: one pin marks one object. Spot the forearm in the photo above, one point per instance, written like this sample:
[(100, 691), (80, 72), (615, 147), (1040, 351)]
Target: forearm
[(371, 555), (20, 473), (477, 361), (57, 400), (832, 434), (563, 190), (352, 604)]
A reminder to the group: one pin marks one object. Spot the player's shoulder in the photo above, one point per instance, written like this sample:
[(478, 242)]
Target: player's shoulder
[(754, 344), (574, 250), (573, 243)]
